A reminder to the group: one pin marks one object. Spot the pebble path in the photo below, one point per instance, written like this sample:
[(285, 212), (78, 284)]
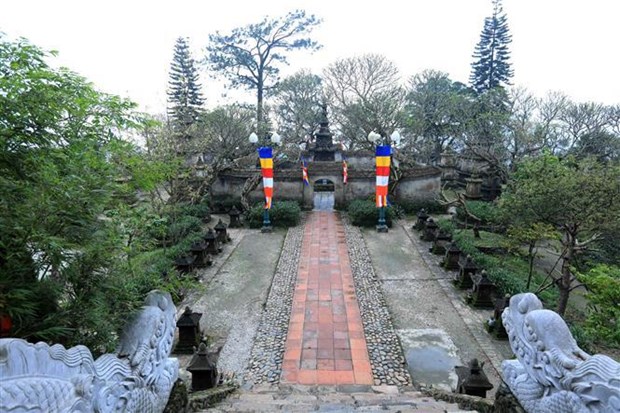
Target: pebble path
[(326, 320)]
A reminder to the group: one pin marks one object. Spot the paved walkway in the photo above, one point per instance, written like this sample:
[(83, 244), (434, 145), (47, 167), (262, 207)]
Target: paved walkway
[(325, 343)]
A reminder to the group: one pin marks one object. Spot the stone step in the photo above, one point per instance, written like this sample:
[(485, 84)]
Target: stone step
[(355, 398)]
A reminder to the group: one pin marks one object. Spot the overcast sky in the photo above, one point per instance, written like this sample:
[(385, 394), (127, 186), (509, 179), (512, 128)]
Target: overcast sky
[(125, 46)]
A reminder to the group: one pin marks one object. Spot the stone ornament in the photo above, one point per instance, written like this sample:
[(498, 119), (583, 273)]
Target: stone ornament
[(137, 378), (551, 373)]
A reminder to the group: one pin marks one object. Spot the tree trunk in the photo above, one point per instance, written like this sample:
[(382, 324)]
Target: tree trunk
[(564, 283), (531, 269), (260, 128)]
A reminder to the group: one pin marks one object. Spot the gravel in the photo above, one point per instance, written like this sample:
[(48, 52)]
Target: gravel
[(265, 364), (386, 356)]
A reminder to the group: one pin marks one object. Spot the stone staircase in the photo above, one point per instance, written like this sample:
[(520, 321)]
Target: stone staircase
[(342, 398)]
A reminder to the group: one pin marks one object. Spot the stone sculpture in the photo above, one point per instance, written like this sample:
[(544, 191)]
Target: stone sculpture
[(137, 378), (551, 373)]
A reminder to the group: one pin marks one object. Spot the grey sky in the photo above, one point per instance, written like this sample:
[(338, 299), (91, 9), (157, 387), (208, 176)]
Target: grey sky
[(125, 46)]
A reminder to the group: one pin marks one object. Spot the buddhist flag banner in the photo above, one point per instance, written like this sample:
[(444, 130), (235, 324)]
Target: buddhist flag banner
[(345, 172), (304, 172), (266, 166), (383, 174)]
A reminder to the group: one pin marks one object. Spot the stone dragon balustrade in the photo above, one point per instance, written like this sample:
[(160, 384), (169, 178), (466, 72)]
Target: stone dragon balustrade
[(137, 378), (551, 373)]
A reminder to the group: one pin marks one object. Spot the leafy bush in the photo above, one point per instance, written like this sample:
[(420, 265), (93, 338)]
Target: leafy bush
[(364, 213), (603, 320), (488, 212), (508, 272), (446, 225), (223, 203), (432, 206), (283, 214), (201, 211), (182, 227)]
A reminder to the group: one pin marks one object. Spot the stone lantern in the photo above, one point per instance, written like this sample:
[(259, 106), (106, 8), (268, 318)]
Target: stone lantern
[(234, 215), (495, 325), (429, 230), (472, 379), (467, 269), (199, 250), (185, 264), (441, 240), (213, 244), (221, 233), (203, 369), (451, 259), (422, 217), (483, 293), (473, 188), (189, 331)]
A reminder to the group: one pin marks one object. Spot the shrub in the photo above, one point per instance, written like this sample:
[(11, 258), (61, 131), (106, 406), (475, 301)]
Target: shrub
[(603, 320), (364, 213), (283, 214), (182, 227), (446, 225), (200, 211), (222, 204), (432, 206), (488, 212)]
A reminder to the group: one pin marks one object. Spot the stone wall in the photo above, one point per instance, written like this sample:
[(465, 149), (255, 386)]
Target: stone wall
[(419, 183)]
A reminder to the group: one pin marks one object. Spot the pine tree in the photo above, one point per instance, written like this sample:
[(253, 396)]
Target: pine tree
[(491, 67), (184, 96)]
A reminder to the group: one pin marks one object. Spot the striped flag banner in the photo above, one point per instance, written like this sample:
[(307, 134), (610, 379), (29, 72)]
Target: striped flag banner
[(345, 172), (266, 166), (383, 174), (304, 172)]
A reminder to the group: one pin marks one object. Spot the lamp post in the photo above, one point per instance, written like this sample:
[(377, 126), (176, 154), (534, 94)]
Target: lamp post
[(266, 161), (383, 154)]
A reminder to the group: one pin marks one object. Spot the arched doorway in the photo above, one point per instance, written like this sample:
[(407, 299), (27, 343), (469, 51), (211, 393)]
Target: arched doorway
[(323, 195)]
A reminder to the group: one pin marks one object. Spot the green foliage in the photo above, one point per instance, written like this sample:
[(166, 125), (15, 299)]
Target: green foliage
[(184, 95), (200, 211), (432, 206), (223, 204), (603, 321), (584, 339), (508, 272), (446, 225), (488, 212), (250, 56), (298, 104), (364, 213), (283, 214), (580, 198), (491, 67), (436, 109), (75, 245), (183, 227)]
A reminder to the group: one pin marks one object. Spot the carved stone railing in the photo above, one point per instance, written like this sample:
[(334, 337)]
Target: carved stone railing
[(137, 378), (551, 373)]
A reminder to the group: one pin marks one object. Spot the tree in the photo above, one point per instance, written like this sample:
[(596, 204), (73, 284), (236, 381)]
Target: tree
[(578, 198), (298, 105), (366, 95), (250, 56), (63, 167), (184, 94), (436, 112), (491, 66)]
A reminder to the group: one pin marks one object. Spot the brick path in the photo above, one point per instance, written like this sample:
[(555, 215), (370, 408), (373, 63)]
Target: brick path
[(325, 343)]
